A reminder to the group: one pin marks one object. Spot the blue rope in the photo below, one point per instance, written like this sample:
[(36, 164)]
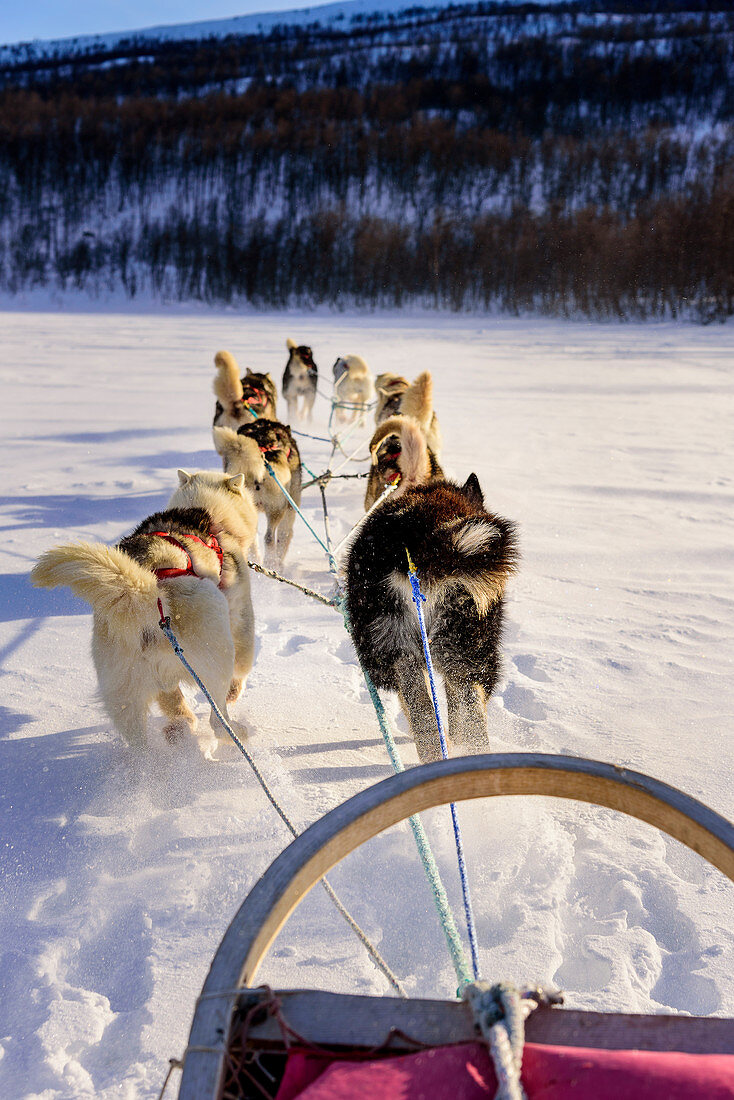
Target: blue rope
[(418, 599), (320, 438)]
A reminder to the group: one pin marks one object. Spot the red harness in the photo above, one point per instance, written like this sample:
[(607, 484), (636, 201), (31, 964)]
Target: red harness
[(275, 451), (211, 544), (258, 397)]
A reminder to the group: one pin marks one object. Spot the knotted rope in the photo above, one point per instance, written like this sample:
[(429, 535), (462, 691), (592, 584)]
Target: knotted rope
[(499, 1013)]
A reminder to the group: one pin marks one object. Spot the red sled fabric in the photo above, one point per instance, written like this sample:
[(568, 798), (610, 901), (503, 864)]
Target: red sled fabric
[(549, 1073)]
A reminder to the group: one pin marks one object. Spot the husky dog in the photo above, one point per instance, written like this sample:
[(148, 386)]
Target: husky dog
[(353, 386), (400, 455), (463, 556), (299, 381), (191, 558), (245, 452), (241, 400), (390, 389), (396, 395)]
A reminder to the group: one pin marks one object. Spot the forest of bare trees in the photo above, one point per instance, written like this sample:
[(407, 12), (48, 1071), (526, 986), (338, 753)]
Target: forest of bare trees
[(569, 159)]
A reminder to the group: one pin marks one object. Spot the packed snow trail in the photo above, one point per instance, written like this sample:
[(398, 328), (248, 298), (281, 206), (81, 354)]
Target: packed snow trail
[(609, 445)]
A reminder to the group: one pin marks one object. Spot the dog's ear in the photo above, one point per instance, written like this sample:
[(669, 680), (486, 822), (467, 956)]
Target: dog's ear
[(235, 484), (290, 344), (473, 490), (249, 373), (183, 477)]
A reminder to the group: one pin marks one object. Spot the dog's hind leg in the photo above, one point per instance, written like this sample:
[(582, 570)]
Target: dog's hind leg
[(201, 614), (130, 720), (124, 686), (418, 709), (467, 712), (270, 540), (242, 627), (285, 534), (181, 719)]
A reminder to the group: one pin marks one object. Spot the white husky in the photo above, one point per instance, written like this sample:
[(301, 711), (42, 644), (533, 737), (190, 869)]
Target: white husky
[(354, 387), (191, 558)]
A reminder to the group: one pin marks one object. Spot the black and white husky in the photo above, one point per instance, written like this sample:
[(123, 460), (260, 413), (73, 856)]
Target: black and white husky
[(300, 379), (463, 557), (192, 558)]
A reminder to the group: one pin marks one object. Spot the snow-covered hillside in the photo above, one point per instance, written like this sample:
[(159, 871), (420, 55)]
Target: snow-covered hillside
[(342, 14), (610, 446)]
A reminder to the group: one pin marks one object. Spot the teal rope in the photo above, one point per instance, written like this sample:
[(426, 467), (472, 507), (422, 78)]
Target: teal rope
[(440, 897), (428, 860), (165, 625), (424, 849), (294, 506), (418, 599)]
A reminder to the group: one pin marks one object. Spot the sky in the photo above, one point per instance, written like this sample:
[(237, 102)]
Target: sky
[(57, 19)]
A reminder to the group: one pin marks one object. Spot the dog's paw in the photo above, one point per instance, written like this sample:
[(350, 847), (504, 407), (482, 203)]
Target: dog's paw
[(177, 732), (225, 752), (235, 689)]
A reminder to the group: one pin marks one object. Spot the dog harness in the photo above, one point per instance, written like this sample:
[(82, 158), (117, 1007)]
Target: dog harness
[(258, 397), (211, 544), (275, 451)]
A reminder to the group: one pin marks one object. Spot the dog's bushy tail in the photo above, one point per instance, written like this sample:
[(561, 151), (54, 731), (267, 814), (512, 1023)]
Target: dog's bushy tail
[(414, 461), (227, 384), (240, 453), (486, 548), (418, 400), (115, 586), (463, 545)]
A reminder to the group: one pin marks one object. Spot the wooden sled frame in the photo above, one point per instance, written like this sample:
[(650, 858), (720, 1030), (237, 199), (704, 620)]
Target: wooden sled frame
[(308, 858)]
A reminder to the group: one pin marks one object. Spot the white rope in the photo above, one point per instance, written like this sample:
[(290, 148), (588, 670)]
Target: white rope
[(499, 1013)]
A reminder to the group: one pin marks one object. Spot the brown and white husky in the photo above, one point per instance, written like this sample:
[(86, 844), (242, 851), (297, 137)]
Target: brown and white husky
[(400, 456), (241, 400), (191, 557), (245, 452), (354, 388), (395, 395)]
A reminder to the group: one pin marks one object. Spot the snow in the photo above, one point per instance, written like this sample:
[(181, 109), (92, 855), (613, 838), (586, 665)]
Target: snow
[(609, 445)]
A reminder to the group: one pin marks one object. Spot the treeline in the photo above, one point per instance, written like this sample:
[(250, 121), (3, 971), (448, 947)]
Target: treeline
[(559, 159), (518, 68), (277, 150), (674, 259)]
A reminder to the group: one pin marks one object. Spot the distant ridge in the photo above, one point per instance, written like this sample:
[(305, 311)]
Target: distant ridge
[(342, 12)]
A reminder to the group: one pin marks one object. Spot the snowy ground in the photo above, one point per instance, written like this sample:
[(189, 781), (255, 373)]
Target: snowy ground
[(611, 447)]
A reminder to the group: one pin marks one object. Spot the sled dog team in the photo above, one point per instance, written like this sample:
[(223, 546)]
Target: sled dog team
[(191, 559)]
